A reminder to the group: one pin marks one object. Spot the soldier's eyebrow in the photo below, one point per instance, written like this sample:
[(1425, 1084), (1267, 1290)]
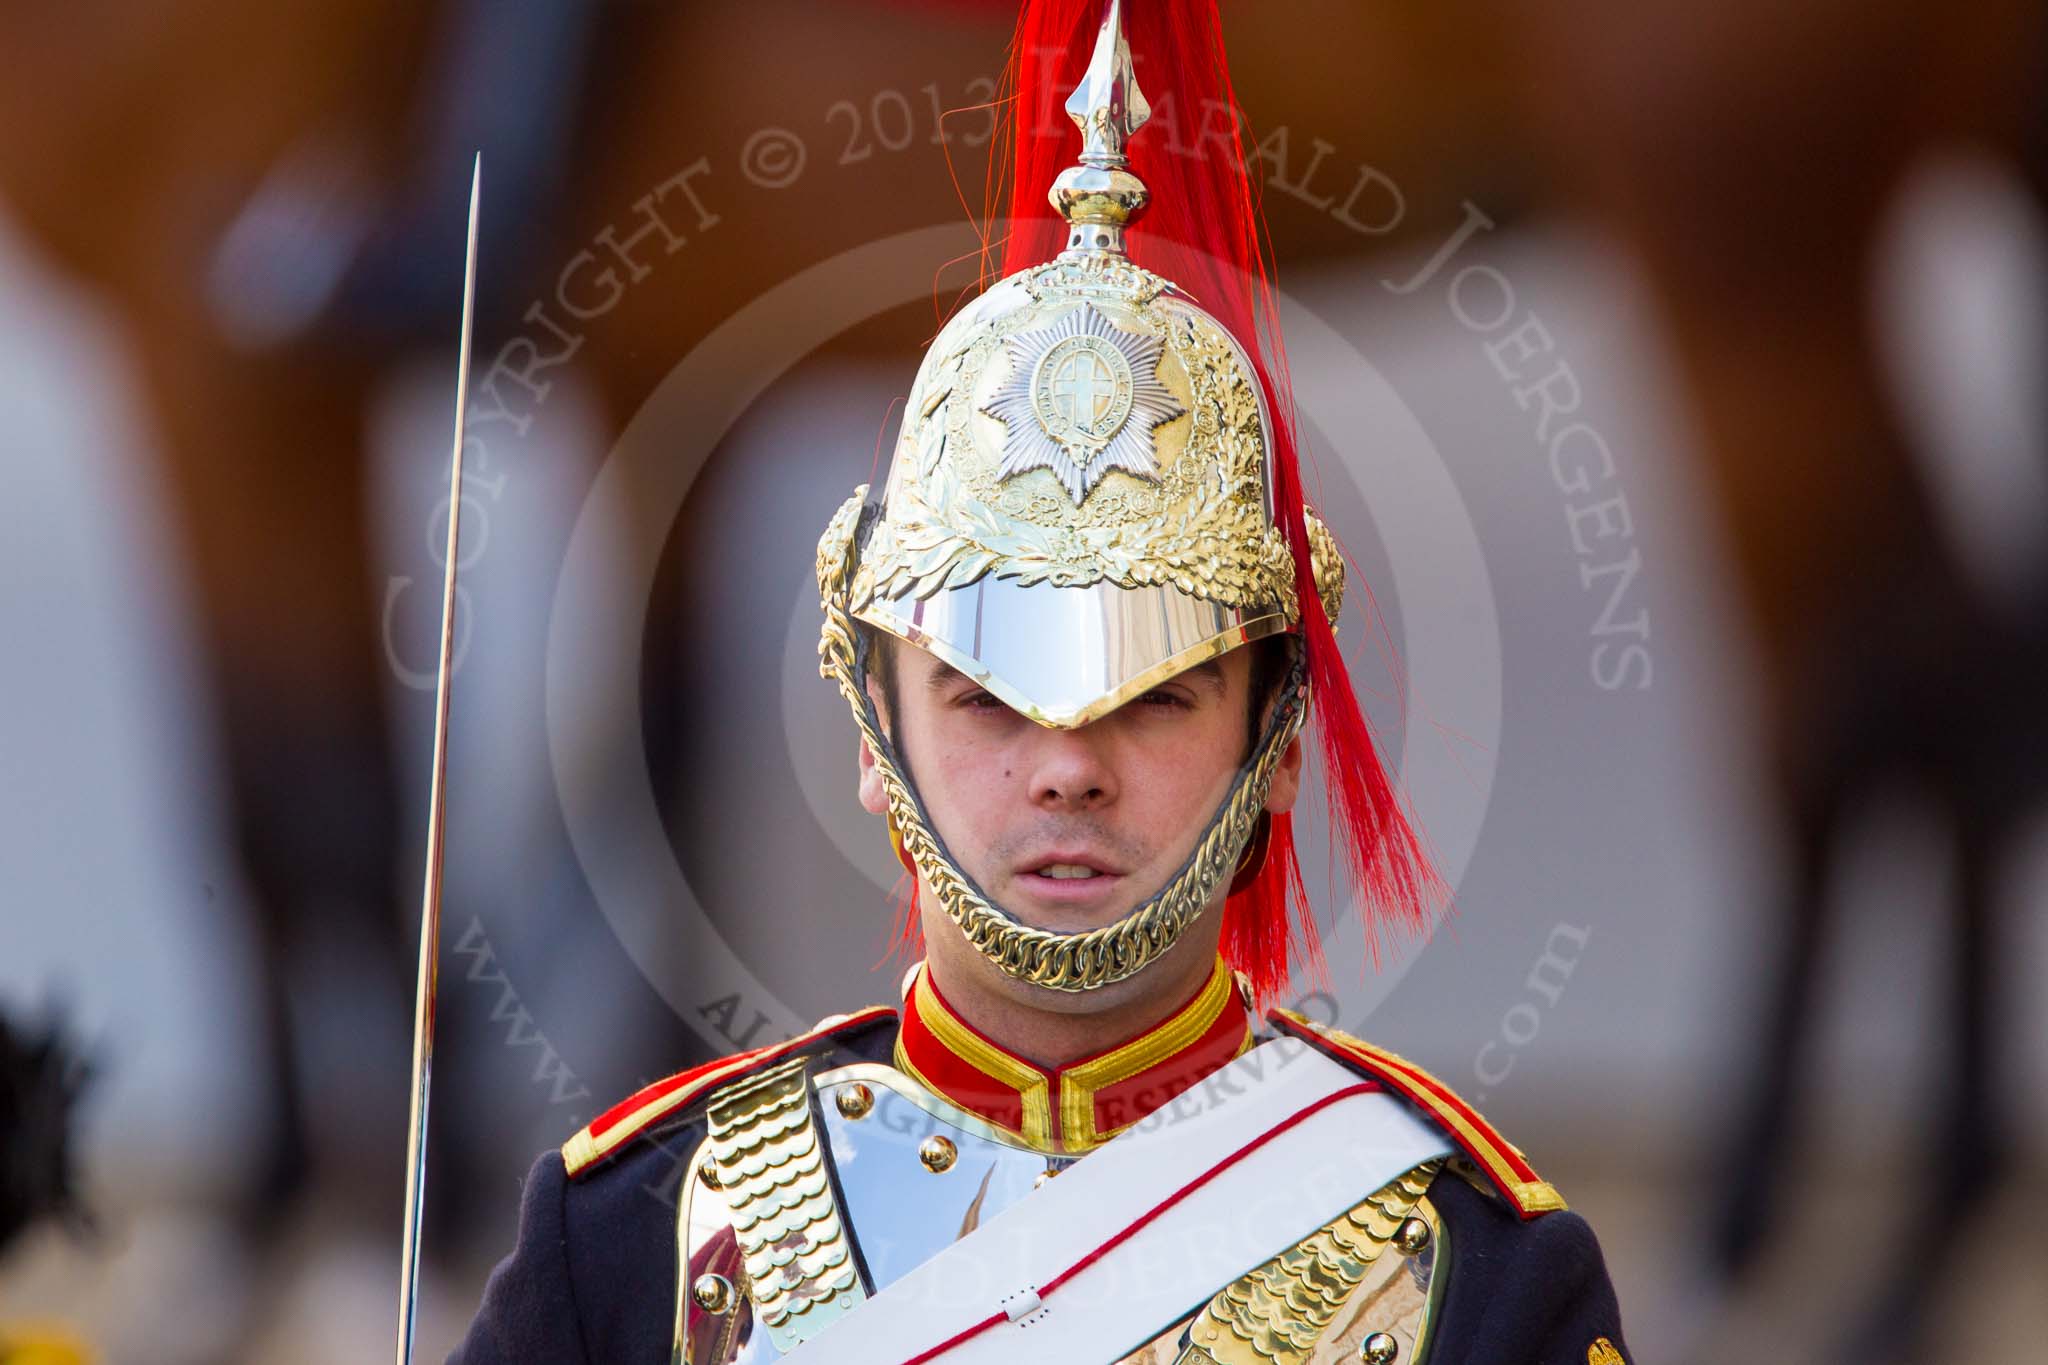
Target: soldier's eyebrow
[(1212, 671), (943, 675)]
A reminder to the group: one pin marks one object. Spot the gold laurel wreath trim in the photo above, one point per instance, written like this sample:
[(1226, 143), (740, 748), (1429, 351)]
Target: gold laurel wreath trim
[(1216, 545)]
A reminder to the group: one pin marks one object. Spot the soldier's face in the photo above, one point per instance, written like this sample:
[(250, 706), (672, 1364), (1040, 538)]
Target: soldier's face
[(1070, 830)]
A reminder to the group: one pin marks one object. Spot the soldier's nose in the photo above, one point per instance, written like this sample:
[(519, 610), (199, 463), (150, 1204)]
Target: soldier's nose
[(1069, 772)]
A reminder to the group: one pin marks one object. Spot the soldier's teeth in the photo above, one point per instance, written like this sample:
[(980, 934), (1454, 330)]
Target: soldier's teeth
[(1066, 871)]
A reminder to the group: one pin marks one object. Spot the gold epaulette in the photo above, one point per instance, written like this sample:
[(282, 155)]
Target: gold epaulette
[(1502, 1163), (802, 1273), (620, 1124)]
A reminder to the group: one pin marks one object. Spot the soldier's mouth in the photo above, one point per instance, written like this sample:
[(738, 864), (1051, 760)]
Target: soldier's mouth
[(1070, 885), (1068, 872)]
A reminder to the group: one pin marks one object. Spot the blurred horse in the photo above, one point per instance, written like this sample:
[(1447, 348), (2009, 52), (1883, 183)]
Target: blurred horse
[(130, 135), (1748, 154)]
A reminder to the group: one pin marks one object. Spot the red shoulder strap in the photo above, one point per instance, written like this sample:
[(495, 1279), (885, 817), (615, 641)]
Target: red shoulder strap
[(1502, 1162), (620, 1124)]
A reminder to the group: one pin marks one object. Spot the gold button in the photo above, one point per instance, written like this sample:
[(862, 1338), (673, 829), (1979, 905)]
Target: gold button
[(713, 1294), (937, 1153), (1413, 1236), (708, 1174), (1379, 1349), (854, 1101)]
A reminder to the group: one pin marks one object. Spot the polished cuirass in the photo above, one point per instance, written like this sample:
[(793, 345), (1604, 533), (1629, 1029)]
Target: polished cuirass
[(819, 1186)]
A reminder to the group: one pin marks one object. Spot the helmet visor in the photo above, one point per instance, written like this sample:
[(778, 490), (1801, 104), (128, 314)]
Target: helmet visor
[(1065, 656)]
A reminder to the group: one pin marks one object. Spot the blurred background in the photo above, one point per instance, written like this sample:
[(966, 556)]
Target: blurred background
[(1673, 374)]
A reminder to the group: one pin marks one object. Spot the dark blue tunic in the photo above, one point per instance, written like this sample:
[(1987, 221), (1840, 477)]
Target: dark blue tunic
[(593, 1278)]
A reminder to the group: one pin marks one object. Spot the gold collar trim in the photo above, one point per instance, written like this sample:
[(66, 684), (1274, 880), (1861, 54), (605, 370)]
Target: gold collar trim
[(1075, 1107)]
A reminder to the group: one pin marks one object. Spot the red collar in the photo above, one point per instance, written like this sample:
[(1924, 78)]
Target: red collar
[(1075, 1107)]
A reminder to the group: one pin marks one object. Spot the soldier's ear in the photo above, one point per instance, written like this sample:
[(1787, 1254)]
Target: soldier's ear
[(872, 798), (1280, 797)]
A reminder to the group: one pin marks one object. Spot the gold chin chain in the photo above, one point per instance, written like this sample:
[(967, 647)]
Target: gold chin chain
[(1071, 962)]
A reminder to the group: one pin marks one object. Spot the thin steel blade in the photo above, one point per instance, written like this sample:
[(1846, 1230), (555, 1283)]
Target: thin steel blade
[(430, 906)]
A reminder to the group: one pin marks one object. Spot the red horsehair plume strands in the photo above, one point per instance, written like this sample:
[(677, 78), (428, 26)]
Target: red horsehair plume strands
[(1202, 231)]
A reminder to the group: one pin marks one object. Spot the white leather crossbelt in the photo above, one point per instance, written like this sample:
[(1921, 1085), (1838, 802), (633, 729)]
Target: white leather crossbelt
[(1216, 1188)]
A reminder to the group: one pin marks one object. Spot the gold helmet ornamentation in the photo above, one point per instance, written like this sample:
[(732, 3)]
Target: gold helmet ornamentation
[(1081, 504)]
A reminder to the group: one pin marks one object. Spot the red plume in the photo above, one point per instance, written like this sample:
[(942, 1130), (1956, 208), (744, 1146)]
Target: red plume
[(1203, 232)]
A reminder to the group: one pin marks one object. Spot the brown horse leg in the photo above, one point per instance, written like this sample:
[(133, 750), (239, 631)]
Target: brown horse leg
[(267, 482), (1753, 1178), (1967, 1150), (1969, 1127)]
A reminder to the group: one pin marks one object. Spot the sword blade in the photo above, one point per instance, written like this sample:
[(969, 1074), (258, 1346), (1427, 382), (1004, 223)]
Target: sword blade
[(430, 901)]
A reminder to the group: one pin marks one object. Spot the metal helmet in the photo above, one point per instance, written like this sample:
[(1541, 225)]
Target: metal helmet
[(1081, 505)]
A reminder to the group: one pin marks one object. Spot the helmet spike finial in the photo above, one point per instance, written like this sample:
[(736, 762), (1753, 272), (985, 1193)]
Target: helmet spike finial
[(1099, 196)]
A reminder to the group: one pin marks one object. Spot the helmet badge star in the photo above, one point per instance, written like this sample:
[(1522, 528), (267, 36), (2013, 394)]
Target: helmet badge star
[(1082, 398)]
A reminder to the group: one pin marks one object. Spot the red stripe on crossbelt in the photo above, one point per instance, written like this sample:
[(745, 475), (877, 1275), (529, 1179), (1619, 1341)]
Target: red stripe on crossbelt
[(1150, 1216)]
